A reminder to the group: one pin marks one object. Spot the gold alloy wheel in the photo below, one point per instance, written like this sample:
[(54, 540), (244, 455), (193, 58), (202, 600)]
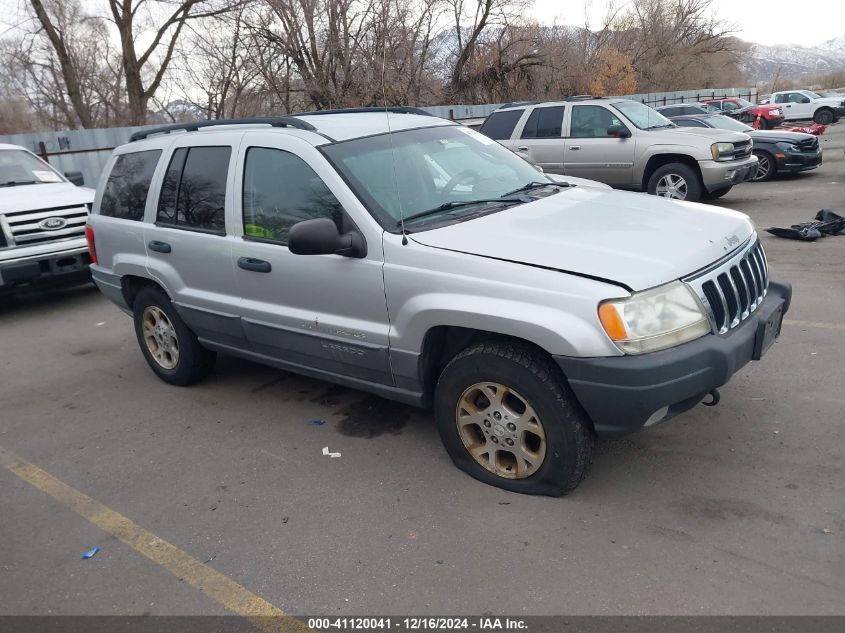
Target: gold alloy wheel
[(160, 337), (501, 430)]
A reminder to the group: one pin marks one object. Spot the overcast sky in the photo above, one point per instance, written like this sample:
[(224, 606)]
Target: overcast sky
[(762, 21)]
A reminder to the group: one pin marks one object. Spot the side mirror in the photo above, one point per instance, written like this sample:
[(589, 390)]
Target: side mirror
[(619, 131), (805, 99), (75, 177), (321, 237)]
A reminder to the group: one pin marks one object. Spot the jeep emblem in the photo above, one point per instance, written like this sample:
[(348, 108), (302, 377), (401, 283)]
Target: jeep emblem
[(52, 224)]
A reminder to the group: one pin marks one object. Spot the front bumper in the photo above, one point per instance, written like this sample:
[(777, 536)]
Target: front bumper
[(622, 393), (799, 161), (717, 175), (839, 111), (69, 265)]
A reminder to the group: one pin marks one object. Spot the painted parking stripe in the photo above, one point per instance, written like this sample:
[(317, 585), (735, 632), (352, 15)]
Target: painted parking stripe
[(217, 586), (817, 324)]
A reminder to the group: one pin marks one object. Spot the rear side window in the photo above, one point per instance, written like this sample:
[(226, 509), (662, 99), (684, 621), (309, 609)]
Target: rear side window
[(125, 194), (544, 123), (280, 189), (193, 194), (500, 125)]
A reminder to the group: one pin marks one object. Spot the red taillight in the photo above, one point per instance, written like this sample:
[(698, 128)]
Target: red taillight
[(92, 248)]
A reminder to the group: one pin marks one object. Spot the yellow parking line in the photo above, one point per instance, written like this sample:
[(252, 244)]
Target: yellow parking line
[(818, 324), (217, 586)]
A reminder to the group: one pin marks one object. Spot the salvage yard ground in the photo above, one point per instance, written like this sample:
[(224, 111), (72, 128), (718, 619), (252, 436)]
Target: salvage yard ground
[(735, 509)]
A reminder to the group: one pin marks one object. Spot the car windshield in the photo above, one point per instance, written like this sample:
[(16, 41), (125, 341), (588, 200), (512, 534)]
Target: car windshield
[(727, 123), (812, 94), (19, 167), (744, 104), (438, 174), (642, 116)]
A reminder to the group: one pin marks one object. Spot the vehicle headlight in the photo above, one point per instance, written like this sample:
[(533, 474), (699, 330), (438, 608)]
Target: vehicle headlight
[(787, 147), (654, 319), (722, 151)]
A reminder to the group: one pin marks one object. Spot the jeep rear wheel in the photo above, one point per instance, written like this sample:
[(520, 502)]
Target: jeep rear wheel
[(507, 417), (170, 348), (823, 116), (676, 181)]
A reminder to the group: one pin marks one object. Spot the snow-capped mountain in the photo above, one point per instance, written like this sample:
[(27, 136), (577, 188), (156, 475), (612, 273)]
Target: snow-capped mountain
[(763, 62)]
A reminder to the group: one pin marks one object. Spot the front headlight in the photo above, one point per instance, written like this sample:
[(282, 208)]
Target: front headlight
[(654, 319), (787, 147), (722, 151)]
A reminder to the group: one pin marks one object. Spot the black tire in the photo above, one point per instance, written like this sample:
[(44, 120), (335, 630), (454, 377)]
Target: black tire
[(193, 361), (767, 166), (569, 436), (823, 116), (764, 124), (694, 188), (715, 195)]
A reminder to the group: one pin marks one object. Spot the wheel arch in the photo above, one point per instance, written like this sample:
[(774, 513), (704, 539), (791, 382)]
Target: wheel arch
[(657, 161), (131, 285)]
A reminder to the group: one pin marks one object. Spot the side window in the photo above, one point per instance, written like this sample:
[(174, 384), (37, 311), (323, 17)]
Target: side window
[(781, 98), (690, 123), (500, 125), (125, 194), (729, 105), (589, 121), (193, 193), (796, 97), (279, 190), (544, 123)]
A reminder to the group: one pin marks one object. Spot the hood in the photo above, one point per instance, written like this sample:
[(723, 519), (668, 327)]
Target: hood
[(775, 136), (43, 196), (831, 101), (637, 240), (712, 133)]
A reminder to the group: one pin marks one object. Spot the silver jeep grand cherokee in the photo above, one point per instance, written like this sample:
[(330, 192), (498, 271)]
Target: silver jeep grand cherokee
[(417, 259)]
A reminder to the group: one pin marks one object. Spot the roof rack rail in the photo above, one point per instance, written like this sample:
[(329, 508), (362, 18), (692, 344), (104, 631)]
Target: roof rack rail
[(511, 104), (276, 121), (392, 109), (581, 97)]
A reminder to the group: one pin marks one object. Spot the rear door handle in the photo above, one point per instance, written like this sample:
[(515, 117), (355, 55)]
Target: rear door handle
[(522, 149), (159, 247), (255, 265), (574, 148)]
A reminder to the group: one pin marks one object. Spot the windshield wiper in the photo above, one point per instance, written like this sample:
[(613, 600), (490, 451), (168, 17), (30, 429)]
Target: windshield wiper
[(658, 127), (535, 184), (456, 204), (12, 183)]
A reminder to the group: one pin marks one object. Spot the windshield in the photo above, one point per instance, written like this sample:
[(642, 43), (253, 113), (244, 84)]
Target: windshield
[(405, 173), (812, 94), (727, 123), (19, 167), (642, 116), (745, 104)]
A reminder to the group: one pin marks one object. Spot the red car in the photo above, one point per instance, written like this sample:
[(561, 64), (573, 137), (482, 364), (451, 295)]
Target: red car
[(770, 115)]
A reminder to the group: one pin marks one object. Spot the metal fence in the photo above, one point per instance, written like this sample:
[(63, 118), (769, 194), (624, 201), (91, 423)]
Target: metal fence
[(86, 152)]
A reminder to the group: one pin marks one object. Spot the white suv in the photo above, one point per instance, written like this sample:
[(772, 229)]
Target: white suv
[(417, 259)]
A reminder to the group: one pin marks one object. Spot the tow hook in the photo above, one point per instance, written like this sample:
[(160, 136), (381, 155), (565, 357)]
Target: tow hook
[(714, 394)]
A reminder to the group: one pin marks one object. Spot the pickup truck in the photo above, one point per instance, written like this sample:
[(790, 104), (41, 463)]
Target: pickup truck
[(625, 144), (409, 256), (42, 222), (806, 104)]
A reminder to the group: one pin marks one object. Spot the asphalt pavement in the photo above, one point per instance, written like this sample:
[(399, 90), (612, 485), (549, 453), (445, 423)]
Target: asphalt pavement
[(736, 509)]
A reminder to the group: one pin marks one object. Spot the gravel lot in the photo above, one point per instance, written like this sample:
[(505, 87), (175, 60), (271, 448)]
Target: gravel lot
[(736, 509)]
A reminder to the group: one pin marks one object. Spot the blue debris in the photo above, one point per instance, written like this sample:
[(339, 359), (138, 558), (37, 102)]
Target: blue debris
[(316, 422), (90, 553)]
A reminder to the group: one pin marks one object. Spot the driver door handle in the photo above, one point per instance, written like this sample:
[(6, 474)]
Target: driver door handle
[(574, 148), (522, 148), (255, 265)]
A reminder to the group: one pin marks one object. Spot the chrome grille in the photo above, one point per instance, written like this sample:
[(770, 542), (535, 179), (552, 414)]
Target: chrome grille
[(28, 227), (809, 145), (734, 287), (742, 149)]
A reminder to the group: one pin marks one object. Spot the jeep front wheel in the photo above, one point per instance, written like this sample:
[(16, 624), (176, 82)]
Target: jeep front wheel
[(676, 181), (507, 417)]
